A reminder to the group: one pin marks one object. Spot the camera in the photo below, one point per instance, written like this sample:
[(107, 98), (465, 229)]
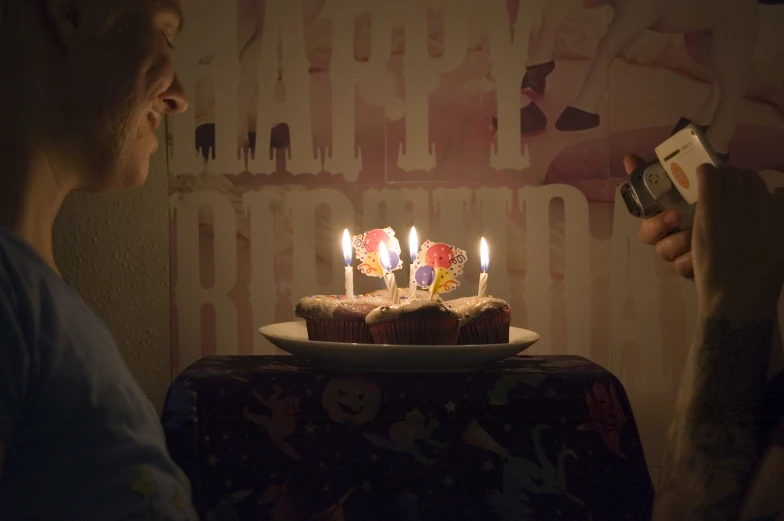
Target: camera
[(670, 182), (650, 191)]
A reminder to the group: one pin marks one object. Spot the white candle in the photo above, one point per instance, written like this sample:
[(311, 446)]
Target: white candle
[(349, 273), (413, 248), (389, 277), (484, 261)]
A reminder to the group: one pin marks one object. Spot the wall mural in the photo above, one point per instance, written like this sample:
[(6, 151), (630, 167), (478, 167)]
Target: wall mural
[(499, 118)]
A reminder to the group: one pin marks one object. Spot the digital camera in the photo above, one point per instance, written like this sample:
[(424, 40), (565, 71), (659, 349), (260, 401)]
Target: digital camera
[(670, 182)]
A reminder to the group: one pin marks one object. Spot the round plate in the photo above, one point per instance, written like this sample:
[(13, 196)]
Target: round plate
[(292, 337)]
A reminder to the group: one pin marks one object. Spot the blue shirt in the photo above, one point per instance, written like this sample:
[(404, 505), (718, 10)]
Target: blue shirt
[(82, 440)]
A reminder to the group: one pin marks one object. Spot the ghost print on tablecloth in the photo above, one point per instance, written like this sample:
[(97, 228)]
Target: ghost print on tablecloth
[(522, 477), (440, 264), (282, 419), (366, 246), (607, 416)]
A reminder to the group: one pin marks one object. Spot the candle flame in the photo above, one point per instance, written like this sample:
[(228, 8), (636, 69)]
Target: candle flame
[(346, 247), (413, 244), (484, 255), (383, 257)]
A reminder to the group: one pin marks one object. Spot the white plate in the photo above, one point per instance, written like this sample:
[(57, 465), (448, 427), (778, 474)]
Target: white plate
[(292, 337)]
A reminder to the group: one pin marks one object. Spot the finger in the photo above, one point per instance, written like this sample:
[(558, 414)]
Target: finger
[(631, 162), (683, 265), (674, 245), (653, 229), (709, 184)]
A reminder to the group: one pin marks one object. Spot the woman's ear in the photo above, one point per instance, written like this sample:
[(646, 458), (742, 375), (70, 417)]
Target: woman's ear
[(63, 18)]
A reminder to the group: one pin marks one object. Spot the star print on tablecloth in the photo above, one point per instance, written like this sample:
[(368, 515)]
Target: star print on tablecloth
[(228, 483), (507, 427), (488, 466), (448, 481), (450, 406), (374, 457), (212, 461), (550, 393), (366, 486), (310, 428)]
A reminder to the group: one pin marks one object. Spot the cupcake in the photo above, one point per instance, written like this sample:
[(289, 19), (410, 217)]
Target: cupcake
[(335, 318), (418, 322), (484, 320)]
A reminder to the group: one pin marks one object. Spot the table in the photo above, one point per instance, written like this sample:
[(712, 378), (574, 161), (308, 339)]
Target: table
[(270, 437)]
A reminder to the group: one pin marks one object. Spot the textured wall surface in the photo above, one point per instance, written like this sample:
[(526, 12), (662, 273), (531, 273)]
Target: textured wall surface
[(114, 250)]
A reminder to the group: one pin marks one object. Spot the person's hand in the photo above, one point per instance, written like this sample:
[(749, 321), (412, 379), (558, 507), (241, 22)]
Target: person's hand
[(661, 231), (737, 246)]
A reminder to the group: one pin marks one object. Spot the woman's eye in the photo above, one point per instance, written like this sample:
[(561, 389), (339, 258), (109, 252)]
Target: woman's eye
[(168, 40)]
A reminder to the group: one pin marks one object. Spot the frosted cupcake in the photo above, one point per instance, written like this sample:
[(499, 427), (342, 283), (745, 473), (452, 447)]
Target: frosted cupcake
[(484, 320), (334, 318), (418, 322)]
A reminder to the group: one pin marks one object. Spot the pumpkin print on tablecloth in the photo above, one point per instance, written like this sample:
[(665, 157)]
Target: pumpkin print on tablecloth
[(351, 400)]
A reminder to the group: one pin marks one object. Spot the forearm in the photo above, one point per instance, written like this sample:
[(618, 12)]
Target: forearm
[(716, 437)]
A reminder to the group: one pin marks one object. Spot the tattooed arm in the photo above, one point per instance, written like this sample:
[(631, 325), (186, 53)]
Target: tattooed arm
[(717, 438)]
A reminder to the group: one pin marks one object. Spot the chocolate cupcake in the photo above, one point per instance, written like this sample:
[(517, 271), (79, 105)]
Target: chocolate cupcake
[(335, 318), (419, 322), (484, 320)]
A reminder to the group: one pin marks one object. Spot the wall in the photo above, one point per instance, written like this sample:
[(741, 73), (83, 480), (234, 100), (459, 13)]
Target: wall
[(114, 250)]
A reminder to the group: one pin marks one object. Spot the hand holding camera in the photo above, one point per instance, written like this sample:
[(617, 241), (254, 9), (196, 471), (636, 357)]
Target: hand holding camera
[(686, 214)]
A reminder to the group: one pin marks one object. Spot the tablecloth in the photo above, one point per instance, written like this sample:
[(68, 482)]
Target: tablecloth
[(271, 437)]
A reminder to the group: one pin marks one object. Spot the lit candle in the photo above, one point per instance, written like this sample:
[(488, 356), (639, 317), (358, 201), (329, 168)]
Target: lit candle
[(349, 268), (389, 277), (413, 248), (484, 261)]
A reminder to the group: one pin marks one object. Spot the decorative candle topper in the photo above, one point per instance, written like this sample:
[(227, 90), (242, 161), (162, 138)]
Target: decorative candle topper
[(484, 263), (389, 277), (437, 266), (366, 247), (349, 277)]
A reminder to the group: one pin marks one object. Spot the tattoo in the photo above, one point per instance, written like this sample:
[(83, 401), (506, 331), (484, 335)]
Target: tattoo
[(717, 437)]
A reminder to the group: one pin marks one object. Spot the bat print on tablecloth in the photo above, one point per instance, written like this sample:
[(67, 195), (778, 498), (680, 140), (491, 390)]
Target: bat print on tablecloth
[(284, 503), (499, 394), (225, 511), (332, 512), (283, 421), (355, 401), (521, 476), (403, 436), (607, 416)]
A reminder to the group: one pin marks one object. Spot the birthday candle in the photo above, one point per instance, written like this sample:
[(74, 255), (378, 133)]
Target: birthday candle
[(484, 261), (349, 272), (413, 249), (389, 277)]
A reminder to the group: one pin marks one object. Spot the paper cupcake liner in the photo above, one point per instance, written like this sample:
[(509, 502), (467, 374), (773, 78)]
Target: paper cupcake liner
[(425, 331), (491, 330), (339, 331)]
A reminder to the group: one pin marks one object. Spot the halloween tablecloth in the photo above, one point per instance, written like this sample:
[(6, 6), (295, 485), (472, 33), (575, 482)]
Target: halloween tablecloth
[(269, 437)]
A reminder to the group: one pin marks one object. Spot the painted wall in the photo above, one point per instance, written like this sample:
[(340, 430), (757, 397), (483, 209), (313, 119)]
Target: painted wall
[(114, 250), (393, 113)]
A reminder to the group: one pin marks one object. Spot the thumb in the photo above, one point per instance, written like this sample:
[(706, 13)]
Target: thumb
[(708, 184)]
